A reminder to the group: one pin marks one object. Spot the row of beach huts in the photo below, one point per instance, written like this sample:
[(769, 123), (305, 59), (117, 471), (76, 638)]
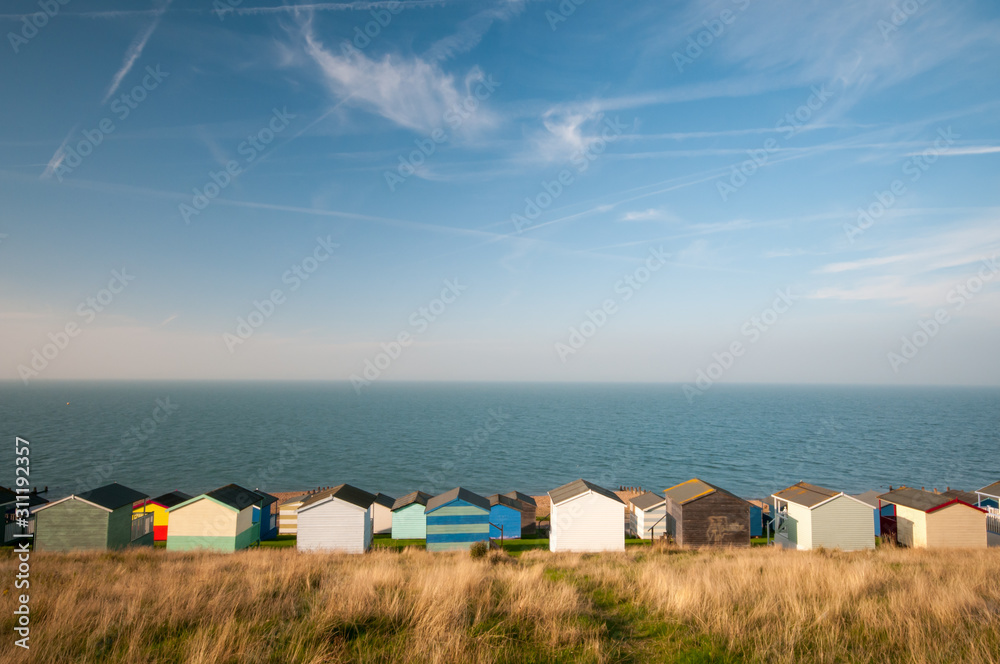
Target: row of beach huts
[(583, 517)]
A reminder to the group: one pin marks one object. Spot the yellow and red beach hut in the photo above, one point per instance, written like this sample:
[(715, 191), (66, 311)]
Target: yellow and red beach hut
[(159, 506)]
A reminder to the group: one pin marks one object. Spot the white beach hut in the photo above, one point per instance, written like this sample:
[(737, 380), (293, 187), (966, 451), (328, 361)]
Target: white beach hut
[(382, 514), (586, 517), (648, 515), (808, 517), (338, 519)]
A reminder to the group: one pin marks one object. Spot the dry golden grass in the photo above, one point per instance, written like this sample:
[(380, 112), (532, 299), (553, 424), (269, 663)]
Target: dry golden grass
[(644, 605)]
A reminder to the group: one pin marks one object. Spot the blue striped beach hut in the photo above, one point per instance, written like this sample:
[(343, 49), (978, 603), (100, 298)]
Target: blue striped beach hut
[(456, 519)]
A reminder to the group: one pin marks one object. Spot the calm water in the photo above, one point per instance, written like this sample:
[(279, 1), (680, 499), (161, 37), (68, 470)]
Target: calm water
[(496, 437)]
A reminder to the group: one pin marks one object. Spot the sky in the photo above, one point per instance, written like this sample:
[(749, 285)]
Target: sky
[(689, 192)]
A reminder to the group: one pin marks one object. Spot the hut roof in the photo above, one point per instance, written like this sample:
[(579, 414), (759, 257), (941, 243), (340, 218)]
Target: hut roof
[(170, 499), (458, 493), (297, 498), (418, 497), (267, 498), (869, 498), (525, 498), (8, 496), (648, 500), (918, 499), (693, 489), (578, 488), (502, 499), (805, 494), (991, 490), (384, 500), (964, 496), (112, 496), (235, 496), (345, 492)]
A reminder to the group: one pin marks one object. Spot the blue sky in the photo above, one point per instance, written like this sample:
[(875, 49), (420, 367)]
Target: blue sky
[(521, 190)]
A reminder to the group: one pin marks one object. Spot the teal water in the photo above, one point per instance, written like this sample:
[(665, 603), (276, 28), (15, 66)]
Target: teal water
[(398, 437)]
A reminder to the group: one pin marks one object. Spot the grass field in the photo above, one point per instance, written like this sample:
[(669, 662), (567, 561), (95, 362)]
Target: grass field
[(649, 604)]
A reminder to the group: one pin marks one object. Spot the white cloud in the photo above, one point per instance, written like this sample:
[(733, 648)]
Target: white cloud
[(651, 214), (410, 92)]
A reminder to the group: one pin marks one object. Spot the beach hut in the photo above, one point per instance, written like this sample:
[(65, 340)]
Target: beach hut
[(989, 496), (101, 518), (928, 520), (871, 498), (220, 520), (586, 517), (505, 517), (264, 515), (10, 503), (529, 508), (808, 517), (159, 506), (648, 515), (756, 518), (383, 513), (408, 518), (702, 514), (456, 519), (288, 514), (760, 517), (337, 519)]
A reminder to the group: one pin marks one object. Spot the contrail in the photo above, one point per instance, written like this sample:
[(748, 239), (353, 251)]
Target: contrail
[(134, 51)]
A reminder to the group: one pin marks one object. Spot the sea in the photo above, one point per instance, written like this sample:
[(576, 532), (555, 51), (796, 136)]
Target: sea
[(496, 437)]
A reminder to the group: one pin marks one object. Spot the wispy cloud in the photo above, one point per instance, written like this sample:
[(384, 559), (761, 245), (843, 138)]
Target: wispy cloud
[(410, 92), (650, 214), (134, 51), (970, 150), (470, 31), (59, 155)]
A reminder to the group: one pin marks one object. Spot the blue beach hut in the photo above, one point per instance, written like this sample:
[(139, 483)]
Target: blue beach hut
[(756, 520), (505, 517), (264, 514)]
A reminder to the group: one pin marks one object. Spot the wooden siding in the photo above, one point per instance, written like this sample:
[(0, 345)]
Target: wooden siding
[(843, 523), (409, 522), (716, 519), (382, 518), (456, 526), (205, 518), (120, 528), (71, 525), (509, 518), (756, 520), (911, 527), (528, 523), (590, 522), (956, 526), (334, 525), (646, 519), (288, 518)]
